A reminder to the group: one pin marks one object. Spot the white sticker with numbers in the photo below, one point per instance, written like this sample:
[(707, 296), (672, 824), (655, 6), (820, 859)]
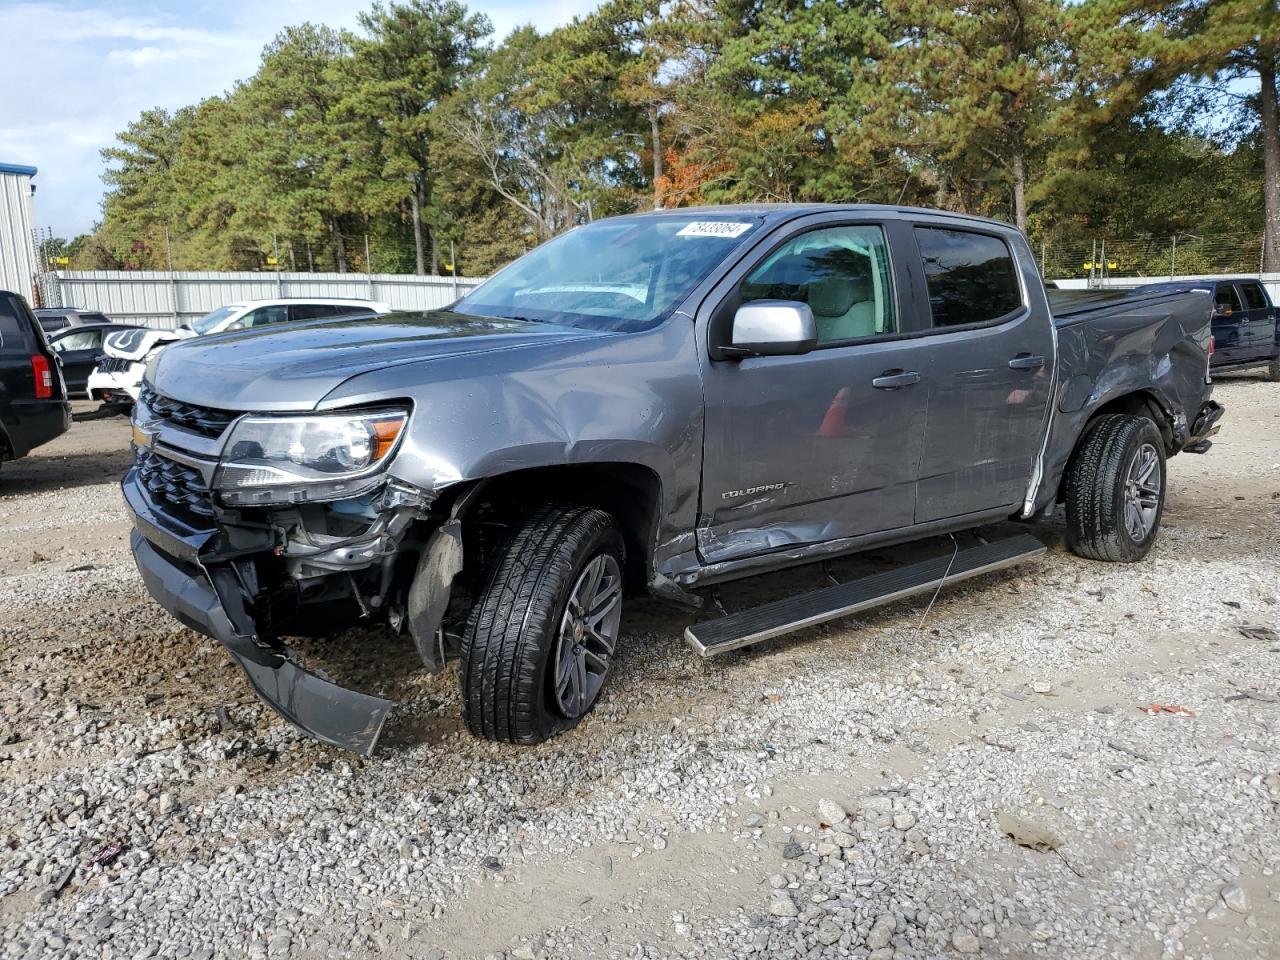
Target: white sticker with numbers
[(713, 228)]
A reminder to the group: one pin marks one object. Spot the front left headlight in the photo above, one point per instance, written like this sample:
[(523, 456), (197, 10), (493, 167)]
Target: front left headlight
[(290, 459)]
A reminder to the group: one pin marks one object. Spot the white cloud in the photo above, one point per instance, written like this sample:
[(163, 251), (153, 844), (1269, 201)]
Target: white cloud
[(145, 56), (84, 69)]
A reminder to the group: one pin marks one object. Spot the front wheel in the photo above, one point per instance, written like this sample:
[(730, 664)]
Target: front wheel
[(540, 640), (1115, 489)]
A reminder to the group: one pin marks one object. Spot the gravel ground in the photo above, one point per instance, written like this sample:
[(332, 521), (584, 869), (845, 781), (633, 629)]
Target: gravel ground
[(841, 793)]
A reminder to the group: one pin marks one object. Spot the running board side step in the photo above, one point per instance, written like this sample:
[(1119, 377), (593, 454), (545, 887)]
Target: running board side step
[(712, 637)]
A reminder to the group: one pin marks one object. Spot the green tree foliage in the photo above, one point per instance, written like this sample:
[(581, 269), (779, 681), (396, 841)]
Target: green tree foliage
[(418, 143), (413, 56)]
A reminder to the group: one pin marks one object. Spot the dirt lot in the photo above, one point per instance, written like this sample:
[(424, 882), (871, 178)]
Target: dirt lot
[(700, 811)]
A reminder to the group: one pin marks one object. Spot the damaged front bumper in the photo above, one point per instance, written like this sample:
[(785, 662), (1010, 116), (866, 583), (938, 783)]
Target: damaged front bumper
[(183, 572)]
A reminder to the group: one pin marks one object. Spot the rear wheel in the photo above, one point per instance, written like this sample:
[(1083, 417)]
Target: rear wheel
[(1115, 489), (540, 640)]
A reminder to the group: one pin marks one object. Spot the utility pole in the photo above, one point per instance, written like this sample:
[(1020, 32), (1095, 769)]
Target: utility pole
[(368, 265), (173, 286), (453, 267), (1173, 258), (275, 255)]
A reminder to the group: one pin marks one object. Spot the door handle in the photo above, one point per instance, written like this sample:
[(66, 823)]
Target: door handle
[(1026, 361), (893, 379)]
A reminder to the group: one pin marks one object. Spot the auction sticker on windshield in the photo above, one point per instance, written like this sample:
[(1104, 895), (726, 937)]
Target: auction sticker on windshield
[(713, 228)]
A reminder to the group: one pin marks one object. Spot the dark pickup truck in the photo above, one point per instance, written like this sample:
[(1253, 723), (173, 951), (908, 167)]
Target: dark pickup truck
[(1244, 323), (33, 396), (658, 402)]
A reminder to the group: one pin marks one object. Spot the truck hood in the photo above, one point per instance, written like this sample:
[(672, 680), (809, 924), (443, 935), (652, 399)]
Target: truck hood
[(293, 366), (136, 344)]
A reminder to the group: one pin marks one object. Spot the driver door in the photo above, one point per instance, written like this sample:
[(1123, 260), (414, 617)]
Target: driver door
[(826, 445)]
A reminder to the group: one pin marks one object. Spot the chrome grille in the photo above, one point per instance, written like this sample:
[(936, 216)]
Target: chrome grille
[(113, 365), (176, 485), (203, 420)]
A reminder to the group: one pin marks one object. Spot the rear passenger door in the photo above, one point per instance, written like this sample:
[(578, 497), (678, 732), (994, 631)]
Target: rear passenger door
[(1260, 332), (989, 372)]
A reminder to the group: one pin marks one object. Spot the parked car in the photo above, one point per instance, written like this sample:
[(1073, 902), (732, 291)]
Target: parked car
[(33, 399), (117, 379), (657, 402), (53, 319), (1244, 324), (251, 314), (79, 348)]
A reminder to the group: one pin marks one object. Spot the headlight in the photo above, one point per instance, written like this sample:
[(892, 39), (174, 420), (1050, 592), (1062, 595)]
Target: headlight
[(314, 457)]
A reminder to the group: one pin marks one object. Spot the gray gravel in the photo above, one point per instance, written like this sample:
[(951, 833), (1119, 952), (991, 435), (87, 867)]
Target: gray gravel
[(834, 795)]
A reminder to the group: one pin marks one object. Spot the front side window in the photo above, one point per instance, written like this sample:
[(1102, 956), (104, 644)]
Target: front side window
[(1226, 301), (842, 273), (1253, 296), (80, 340), (972, 277), (624, 274), (266, 315)]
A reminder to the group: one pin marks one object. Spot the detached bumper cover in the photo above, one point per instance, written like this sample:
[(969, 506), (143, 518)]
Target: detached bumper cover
[(1204, 427), (168, 557)]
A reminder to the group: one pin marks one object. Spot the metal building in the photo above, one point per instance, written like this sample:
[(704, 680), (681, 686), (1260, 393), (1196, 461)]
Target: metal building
[(17, 246)]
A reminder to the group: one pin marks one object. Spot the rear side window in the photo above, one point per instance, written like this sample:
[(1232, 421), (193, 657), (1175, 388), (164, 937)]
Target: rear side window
[(1226, 300), (13, 327), (309, 311), (1253, 296), (971, 276)]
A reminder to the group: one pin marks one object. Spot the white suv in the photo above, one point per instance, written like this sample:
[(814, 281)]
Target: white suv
[(117, 379)]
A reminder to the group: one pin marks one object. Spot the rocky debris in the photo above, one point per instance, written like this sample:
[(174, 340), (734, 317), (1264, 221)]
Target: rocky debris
[(1235, 897), (781, 905), (831, 811), (964, 941)]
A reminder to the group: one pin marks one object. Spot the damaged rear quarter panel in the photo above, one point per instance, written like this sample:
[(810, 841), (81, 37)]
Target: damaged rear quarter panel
[(632, 398), (1159, 347)]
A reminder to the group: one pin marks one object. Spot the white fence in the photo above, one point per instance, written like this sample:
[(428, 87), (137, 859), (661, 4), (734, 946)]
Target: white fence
[(161, 299), (1269, 280)]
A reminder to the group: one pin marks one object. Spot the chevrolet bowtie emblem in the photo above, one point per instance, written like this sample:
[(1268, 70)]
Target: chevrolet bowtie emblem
[(142, 437)]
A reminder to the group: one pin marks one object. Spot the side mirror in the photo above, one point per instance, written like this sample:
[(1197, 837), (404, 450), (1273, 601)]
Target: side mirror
[(772, 328), (237, 325)]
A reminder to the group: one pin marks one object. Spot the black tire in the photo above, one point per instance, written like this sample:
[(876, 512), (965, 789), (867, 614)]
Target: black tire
[(1097, 483), (1273, 370), (513, 632)]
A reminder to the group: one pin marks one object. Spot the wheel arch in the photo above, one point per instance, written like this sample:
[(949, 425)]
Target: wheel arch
[(1136, 403), (630, 492)]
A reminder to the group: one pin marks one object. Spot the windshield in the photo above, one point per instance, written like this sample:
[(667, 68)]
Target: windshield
[(619, 275), (211, 319)]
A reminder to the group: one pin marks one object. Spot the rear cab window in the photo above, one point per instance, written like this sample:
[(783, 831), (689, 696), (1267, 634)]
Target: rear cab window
[(16, 336), (972, 277)]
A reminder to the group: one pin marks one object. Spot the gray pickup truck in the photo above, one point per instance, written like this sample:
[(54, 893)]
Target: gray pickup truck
[(658, 402)]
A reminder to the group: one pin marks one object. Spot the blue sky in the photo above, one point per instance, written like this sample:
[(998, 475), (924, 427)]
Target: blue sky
[(75, 73)]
